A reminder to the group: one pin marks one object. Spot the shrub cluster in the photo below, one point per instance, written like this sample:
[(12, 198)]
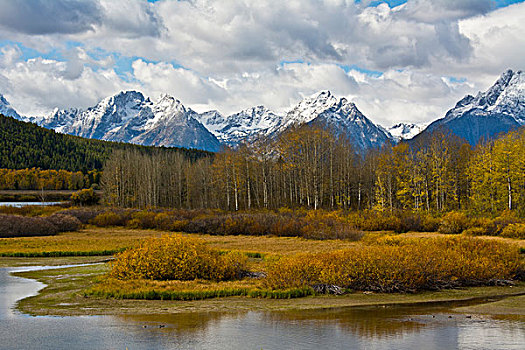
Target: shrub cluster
[(175, 257), (453, 222), (514, 231), (313, 225), (505, 225), (397, 221), (86, 196), (25, 226), (392, 267), (84, 215)]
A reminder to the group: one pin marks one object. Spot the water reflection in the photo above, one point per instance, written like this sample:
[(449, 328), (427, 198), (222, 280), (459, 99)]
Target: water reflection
[(399, 327)]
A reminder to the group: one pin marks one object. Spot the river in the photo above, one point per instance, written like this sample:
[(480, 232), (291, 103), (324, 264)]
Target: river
[(395, 327), (25, 204)]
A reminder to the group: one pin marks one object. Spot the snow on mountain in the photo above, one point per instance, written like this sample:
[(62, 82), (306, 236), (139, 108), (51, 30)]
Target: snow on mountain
[(405, 131), (339, 115), (307, 110), (174, 125), (7, 110), (130, 117), (242, 126), (499, 109)]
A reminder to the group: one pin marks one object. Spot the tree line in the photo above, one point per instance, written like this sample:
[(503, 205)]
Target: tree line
[(309, 167), (26, 145), (38, 179)]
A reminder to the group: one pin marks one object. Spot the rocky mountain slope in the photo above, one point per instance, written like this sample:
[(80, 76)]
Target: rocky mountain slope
[(498, 110), (130, 117), (7, 110), (339, 115), (245, 125)]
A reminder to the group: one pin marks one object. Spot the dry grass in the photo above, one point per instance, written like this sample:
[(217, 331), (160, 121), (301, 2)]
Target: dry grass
[(84, 240), (116, 238), (98, 239), (519, 243)]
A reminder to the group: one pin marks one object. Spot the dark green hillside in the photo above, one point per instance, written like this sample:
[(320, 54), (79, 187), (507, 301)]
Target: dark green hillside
[(26, 145)]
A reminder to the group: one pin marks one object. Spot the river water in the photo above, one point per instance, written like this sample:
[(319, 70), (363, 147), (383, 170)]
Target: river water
[(25, 204), (399, 327)]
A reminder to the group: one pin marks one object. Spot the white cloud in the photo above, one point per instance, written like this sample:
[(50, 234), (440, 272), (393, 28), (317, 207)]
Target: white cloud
[(184, 84), (36, 86), (232, 53)]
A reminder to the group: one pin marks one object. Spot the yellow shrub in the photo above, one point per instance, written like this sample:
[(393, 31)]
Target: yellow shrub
[(514, 231), (108, 218), (168, 222), (175, 257), (143, 219), (453, 222), (415, 265)]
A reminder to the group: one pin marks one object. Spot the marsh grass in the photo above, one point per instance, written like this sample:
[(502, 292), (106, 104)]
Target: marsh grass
[(190, 290), (170, 290)]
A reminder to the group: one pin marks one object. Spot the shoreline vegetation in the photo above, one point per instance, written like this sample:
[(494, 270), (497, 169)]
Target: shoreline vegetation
[(64, 296), (87, 290)]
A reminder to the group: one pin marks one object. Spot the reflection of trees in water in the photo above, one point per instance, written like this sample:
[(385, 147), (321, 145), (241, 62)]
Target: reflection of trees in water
[(183, 323), (374, 322), (368, 322)]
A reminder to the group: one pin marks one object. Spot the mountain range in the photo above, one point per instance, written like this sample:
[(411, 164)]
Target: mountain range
[(131, 117)]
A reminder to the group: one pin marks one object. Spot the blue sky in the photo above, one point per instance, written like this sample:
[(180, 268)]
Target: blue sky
[(397, 64)]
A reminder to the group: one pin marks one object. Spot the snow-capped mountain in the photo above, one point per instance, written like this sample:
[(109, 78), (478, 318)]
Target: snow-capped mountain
[(242, 126), (499, 109), (7, 110), (339, 115), (405, 131), (130, 117)]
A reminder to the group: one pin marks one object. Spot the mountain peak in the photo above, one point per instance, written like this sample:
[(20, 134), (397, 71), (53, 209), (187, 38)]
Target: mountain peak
[(125, 96), (240, 126), (7, 110), (338, 114), (130, 117), (405, 131), (499, 109)]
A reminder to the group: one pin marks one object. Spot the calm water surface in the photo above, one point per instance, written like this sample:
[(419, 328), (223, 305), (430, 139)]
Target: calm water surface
[(24, 204), (409, 327)]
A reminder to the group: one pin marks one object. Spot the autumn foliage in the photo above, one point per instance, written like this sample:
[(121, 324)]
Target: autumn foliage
[(175, 257), (395, 265)]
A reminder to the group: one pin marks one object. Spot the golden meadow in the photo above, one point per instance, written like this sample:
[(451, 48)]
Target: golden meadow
[(178, 267), (280, 254)]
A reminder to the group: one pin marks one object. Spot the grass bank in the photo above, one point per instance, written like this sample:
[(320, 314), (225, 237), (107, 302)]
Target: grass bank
[(64, 296)]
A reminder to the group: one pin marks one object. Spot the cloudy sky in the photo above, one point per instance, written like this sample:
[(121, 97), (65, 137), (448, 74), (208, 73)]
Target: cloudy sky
[(399, 61)]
